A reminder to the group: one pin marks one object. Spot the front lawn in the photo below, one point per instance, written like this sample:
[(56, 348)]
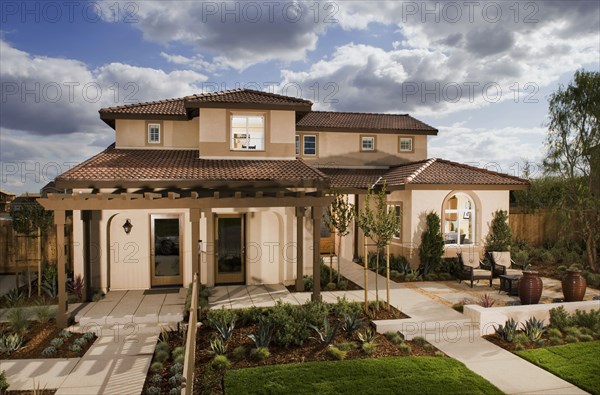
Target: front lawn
[(577, 363), (408, 375)]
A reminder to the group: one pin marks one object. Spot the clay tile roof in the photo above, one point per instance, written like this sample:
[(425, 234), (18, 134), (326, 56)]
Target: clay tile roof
[(347, 121), (352, 178), (245, 96), (425, 172), (161, 107), (440, 171), (140, 167)]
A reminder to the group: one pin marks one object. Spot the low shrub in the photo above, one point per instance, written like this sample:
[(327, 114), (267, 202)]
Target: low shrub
[(223, 320), (250, 315), (291, 322), (3, 382), (75, 348), (508, 330), (521, 338), (439, 354), (89, 336), (161, 356), (80, 342), (367, 335), (18, 319), (394, 337), (178, 351), (419, 340), (572, 331), (239, 353), (156, 367), (175, 390), (262, 338), (11, 343), (66, 334), (176, 379), (156, 379), (57, 342), (218, 346), (260, 353), (48, 351), (428, 347), (554, 332), (220, 362), (163, 346), (44, 313), (534, 328), (555, 340), (405, 348), (346, 346), (336, 353), (571, 339), (586, 338), (176, 368), (153, 391), (369, 347), (559, 318)]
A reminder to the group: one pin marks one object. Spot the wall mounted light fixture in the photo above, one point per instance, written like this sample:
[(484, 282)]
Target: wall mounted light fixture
[(127, 226)]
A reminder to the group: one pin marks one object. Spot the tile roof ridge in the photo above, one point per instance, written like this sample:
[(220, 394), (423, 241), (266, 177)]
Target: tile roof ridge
[(240, 90), (497, 173), (428, 162), (359, 113), (146, 103)]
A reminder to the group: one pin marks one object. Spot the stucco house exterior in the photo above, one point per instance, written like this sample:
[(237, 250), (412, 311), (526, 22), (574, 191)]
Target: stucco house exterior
[(249, 174)]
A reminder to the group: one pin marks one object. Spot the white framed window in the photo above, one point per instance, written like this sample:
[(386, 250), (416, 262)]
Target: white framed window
[(309, 145), (154, 133), (397, 208), (405, 144), (367, 143), (459, 220), (247, 132), (297, 144)]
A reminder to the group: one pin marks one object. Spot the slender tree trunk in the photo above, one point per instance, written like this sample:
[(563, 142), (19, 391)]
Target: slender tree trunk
[(330, 264), (387, 270), (366, 264), (39, 274), (339, 255), (377, 278)]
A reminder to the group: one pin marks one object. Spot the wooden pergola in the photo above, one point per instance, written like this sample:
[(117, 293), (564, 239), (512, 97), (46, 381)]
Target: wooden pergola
[(199, 203)]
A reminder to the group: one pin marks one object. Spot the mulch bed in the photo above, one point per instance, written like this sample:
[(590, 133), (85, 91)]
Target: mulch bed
[(210, 381), (176, 339), (38, 337)]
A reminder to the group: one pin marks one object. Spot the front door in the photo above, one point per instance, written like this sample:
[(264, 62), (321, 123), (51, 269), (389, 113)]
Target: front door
[(327, 242), (229, 251), (166, 249)]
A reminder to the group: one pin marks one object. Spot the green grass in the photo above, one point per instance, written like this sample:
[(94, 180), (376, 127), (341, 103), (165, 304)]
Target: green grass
[(409, 375), (578, 363)]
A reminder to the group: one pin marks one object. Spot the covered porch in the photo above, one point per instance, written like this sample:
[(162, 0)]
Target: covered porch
[(198, 205)]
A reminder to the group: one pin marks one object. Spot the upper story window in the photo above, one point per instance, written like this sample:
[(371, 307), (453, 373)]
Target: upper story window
[(405, 144), (297, 144), (247, 132), (367, 143), (154, 133), (459, 220), (309, 145)]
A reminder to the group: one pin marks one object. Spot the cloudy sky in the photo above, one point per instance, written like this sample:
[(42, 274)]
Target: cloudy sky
[(479, 71)]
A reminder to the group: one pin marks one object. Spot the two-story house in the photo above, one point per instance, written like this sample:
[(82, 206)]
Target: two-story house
[(233, 185)]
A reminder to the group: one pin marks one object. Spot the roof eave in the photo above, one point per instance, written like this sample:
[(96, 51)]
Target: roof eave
[(248, 106), (302, 128), (185, 184)]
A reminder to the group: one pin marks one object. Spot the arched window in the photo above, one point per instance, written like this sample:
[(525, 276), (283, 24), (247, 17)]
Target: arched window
[(459, 220)]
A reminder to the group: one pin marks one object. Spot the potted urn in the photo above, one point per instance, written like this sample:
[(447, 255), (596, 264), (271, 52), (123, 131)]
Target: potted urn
[(573, 286), (530, 287)]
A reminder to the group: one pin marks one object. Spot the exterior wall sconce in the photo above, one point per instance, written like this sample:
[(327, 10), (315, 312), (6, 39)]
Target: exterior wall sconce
[(127, 226)]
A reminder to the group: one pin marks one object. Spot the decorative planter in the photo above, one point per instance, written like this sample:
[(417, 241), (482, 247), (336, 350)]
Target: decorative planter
[(530, 287), (573, 286)]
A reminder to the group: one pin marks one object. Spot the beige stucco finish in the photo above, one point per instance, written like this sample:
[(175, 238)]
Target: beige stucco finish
[(133, 133)]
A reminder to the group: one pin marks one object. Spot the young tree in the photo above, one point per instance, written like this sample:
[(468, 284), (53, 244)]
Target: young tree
[(499, 237), (380, 225), (30, 220), (340, 215), (572, 145), (431, 249)]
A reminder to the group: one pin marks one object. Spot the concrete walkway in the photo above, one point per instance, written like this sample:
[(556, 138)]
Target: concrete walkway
[(127, 324), (452, 333)]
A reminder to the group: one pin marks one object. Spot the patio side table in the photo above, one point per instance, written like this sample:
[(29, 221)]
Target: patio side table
[(510, 284)]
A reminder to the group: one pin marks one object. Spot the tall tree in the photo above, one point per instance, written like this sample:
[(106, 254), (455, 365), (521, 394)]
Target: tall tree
[(380, 224), (340, 215), (500, 236), (431, 249), (572, 146)]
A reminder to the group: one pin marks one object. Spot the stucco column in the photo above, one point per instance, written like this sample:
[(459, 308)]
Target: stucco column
[(209, 252), (300, 249), (195, 222), (317, 213), (61, 314)]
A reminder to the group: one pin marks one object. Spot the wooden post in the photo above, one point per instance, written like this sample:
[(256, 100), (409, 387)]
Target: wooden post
[(387, 269), (366, 263), (39, 280), (61, 314), (195, 222), (300, 249), (317, 212)]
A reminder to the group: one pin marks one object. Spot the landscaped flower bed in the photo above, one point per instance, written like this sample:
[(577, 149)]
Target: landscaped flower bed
[(563, 328), (286, 333), (165, 373), (22, 339)]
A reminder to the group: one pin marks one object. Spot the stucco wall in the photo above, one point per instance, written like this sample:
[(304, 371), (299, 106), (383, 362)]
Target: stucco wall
[(343, 149), (133, 133), (215, 131)]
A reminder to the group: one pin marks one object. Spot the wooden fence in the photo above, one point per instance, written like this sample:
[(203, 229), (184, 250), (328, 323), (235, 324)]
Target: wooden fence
[(19, 253), (189, 364), (535, 228)]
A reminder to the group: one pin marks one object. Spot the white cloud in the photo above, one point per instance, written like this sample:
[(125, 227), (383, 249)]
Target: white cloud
[(44, 95)]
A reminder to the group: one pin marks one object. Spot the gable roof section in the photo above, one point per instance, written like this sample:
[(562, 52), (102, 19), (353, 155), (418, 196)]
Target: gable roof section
[(332, 121), (184, 108), (430, 172), (129, 168)]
